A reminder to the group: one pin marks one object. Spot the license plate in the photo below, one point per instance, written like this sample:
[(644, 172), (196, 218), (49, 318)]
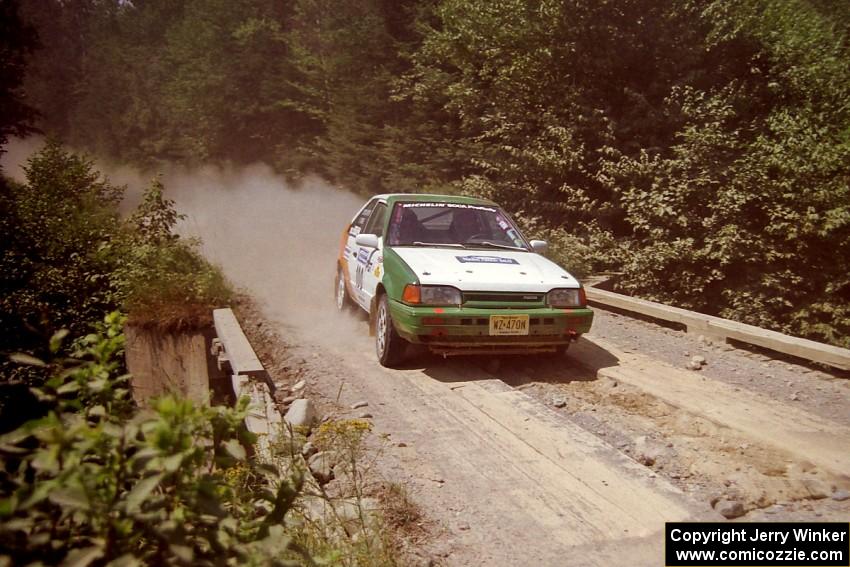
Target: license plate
[(508, 324)]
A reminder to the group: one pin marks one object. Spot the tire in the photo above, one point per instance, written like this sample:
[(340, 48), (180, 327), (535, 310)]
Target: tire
[(343, 302), (389, 346)]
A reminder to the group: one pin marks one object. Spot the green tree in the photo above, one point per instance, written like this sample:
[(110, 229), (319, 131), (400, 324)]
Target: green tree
[(55, 230), (17, 40), (749, 217), (544, 92), (347, 55)]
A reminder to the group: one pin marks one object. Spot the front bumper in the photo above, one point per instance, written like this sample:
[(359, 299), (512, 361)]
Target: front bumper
[(467, 328)]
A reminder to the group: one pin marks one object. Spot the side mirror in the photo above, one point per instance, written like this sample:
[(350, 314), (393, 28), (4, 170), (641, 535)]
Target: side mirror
[(367, 240), (539, 246)]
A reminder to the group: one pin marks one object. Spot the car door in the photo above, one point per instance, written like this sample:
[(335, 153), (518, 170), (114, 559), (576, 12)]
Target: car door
[(351, 248), (369, 272)]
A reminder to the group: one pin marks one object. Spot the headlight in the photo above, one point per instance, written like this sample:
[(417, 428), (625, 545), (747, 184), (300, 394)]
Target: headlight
[(431, 295), (566, 298)]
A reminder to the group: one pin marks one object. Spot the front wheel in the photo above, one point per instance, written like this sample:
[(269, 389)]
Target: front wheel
[(389, 345)]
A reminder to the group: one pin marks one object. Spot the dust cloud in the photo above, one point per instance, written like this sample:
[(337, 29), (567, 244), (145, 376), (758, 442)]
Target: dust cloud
[(277, 242), (15, 155)]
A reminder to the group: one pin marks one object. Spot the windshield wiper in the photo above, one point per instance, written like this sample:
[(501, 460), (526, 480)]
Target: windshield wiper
[(452, 245), (495, 245)]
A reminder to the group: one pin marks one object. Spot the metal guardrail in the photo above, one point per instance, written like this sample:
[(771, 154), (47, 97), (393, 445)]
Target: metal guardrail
[(249, 378), (231, 345), (718, 328)]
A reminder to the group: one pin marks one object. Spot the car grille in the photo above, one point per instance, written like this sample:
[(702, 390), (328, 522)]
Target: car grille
[(506, 300)]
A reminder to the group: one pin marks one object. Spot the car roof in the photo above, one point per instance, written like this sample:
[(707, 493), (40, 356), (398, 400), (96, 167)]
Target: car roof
[(392, 198)]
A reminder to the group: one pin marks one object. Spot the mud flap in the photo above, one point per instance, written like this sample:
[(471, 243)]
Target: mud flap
[(373, 308)]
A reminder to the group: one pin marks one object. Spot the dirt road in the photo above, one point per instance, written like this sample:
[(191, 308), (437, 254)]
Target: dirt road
[(508, 479), (523, 461)]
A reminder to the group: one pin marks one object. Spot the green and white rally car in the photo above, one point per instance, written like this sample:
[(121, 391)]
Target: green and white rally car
[(455, 274)]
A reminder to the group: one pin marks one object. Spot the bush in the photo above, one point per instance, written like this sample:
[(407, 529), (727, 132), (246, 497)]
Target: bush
[(53, 273), (94, 481), (167, 283), (585, 251)]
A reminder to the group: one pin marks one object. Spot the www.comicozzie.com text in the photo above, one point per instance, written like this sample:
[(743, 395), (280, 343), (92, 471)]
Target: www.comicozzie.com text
[(756, 534)]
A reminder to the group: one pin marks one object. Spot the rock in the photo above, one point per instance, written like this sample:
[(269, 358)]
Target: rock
[(354, 511), (288, 400), (645, 460), (308, 450), (697, 359), (559, 402), (794, 397), (463, 526), (351, 514), (691, 365), (321, 465), (365, 415), (401, 444), (300, 385), (817, 488), (300, 413), (358, 405), (648, 451), (840, 495), (729, 508)]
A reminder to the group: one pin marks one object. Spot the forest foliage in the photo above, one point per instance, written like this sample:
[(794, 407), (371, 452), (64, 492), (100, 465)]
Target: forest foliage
[(701, 147), (67, 258), (87, 476)]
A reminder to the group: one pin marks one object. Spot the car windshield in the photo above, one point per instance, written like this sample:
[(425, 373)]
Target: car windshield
[(453, 224)]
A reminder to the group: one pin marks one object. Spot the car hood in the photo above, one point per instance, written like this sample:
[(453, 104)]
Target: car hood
[(485, 270)]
